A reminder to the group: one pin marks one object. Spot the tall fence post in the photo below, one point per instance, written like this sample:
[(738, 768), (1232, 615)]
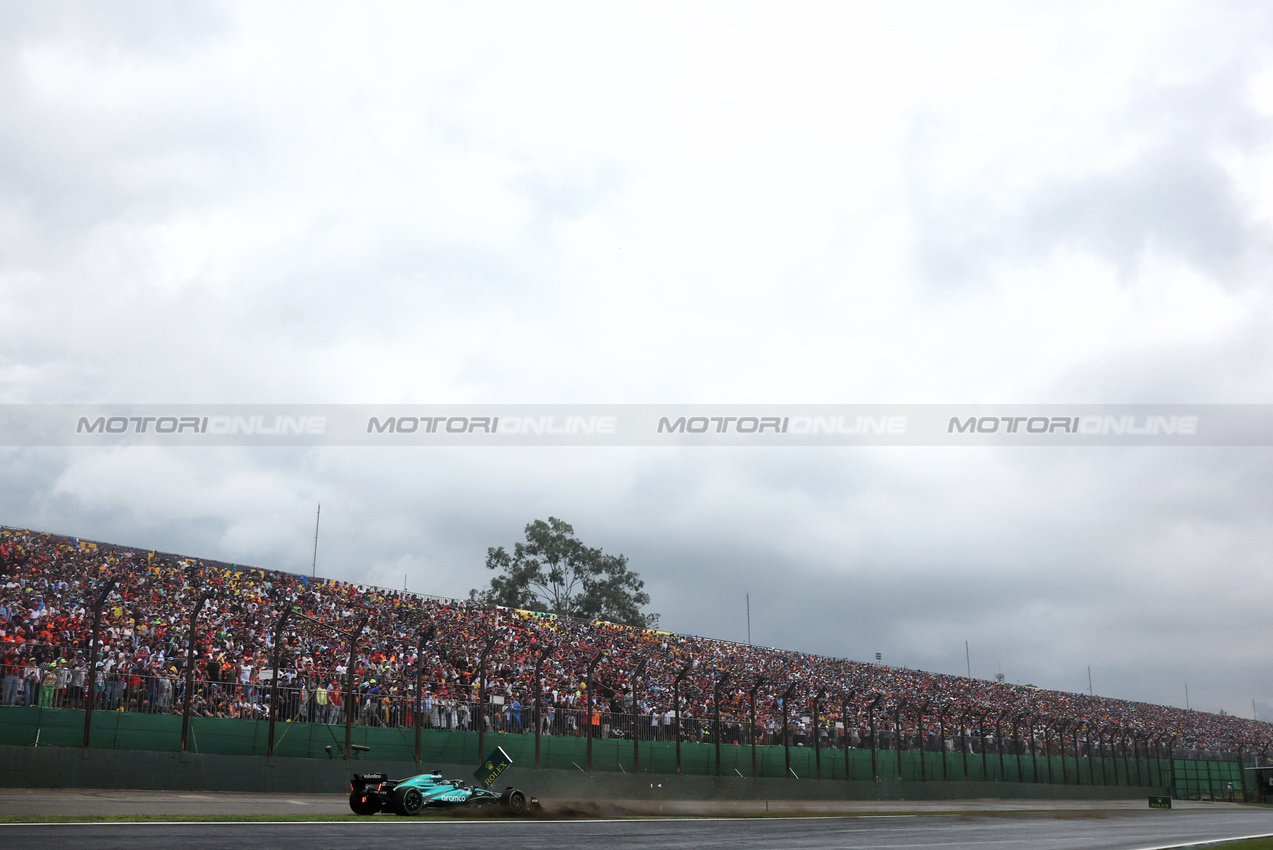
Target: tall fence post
[(190, 647), (588, 720), (845, 701), (751, 699), (1136, 750), (786, 727), (817, 729), (1048, 723), (1100, 745), (1171, 762), (539, 696), (721, 680), (1028, 747), (676, 709), (277, 657), (1061, 728), (964, 747), (94, 637), (1003, 770), (1091, 761), (1153, 765), (351, 701), (941, 742), (870, 719), (636, 715), (919, 720), (1078, 767), (426, 635), (481, 697), (985, 753), (1017, 720), (898, 736)]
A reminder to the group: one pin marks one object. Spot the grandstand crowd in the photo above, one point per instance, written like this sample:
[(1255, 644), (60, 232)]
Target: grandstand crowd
[(49, 584)]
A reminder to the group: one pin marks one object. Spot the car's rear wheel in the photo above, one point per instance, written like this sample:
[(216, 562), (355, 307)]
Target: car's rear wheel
[(410, 802), (363, 804), (517, 802)]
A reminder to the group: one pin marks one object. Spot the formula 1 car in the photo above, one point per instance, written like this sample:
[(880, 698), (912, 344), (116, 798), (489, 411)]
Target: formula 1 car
[(374, 792)]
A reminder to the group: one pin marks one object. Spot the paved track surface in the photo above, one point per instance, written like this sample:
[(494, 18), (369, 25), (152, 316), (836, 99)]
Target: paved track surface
[(983, 824), (1068, 831), (62, 801)]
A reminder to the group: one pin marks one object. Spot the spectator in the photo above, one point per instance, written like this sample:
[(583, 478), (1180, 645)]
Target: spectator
[(48, 585)]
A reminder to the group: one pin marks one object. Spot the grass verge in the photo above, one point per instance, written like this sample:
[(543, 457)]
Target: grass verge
[(200, 818)]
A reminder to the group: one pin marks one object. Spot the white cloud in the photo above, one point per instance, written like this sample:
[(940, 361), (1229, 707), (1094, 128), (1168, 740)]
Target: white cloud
[(631, 203)]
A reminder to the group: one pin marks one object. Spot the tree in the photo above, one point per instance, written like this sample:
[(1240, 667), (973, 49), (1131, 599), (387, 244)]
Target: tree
[(553, 571)]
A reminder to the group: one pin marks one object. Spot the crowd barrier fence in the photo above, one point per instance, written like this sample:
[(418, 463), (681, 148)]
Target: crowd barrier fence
[(1215, 778)]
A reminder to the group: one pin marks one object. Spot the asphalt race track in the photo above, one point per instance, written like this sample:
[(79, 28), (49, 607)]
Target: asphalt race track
[(1054, 831)]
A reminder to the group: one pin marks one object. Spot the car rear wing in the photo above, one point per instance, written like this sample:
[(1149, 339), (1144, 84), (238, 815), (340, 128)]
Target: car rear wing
[(361, 780)]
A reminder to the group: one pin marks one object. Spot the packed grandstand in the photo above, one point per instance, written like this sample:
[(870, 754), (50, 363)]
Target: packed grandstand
[(49, 583)]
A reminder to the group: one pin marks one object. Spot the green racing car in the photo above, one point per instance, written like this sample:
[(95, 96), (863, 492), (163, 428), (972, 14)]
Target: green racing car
[(376, 792)]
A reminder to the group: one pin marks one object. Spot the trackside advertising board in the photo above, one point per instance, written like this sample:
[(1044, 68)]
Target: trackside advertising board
[(495, 764)]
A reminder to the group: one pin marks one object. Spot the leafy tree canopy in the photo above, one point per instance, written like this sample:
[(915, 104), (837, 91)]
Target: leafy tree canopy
[(553, 571)]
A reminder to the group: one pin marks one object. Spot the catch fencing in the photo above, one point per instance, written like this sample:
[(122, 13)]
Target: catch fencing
[(611, 749)]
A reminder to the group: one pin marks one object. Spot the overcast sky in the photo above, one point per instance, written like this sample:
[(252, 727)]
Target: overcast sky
[(678, 202)]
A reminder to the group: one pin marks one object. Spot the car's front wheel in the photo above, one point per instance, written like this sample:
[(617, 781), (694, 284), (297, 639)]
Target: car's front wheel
[(411, 802), (363, 804)]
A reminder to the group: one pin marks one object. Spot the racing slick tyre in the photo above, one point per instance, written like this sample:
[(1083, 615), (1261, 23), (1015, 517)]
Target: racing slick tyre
[(409, 803), (363, 805)]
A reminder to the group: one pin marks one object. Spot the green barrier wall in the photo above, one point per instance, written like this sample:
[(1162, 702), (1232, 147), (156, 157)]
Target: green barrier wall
[(122, 731)]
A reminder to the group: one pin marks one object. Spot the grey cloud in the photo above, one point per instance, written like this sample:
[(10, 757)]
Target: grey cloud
[(1172, 195)]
